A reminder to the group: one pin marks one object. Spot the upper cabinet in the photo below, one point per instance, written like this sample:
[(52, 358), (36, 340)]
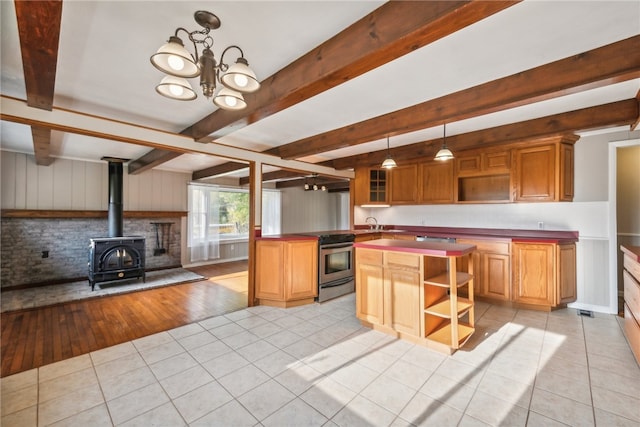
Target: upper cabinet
[(371, 186), (404, 185), (529, 171), (544, 172), (436, 182)]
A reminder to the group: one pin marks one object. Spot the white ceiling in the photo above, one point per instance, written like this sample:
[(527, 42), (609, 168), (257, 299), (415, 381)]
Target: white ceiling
[(104, 68)]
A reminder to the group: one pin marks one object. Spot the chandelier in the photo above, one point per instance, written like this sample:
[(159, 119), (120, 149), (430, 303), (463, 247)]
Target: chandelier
[(179, 64)]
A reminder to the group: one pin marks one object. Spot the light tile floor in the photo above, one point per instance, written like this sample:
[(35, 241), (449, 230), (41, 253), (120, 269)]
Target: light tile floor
[(315, 365)]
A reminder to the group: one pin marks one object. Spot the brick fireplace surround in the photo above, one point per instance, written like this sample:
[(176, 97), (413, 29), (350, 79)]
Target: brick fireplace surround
[(45, 247)]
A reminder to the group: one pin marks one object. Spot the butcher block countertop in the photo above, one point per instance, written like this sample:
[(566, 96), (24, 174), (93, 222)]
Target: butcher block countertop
[(424, 248)]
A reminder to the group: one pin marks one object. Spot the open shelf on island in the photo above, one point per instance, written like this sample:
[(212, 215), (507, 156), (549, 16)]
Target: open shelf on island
[(443, 279), (443, 335), (443, 307)]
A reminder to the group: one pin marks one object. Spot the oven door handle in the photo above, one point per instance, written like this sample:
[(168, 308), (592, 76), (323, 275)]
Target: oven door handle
[(336, 246)]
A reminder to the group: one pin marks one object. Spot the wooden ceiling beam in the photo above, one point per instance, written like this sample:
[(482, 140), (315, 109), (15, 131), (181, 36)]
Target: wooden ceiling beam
[(218, 170), (150, 160), (39, 32), (276, 175), (42, 145), (328, 183), (389, 32), (608, 115), (599, 67)]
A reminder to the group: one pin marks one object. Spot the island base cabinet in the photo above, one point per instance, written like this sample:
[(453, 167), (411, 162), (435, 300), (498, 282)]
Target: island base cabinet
[(286, 272), (388, 291)]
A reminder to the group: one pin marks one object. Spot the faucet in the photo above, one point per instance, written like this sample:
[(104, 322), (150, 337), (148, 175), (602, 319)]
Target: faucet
[(372, 226)]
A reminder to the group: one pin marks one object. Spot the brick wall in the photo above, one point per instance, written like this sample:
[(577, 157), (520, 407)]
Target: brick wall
[(23, 241)]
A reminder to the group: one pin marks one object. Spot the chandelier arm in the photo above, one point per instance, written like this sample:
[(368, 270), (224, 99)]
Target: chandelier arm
[(223, 66)]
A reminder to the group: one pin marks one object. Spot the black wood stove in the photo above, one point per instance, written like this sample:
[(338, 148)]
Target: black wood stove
[(116, 257)]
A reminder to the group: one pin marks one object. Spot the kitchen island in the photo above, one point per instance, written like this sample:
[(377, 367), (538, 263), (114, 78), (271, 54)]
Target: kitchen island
[(418, 291)]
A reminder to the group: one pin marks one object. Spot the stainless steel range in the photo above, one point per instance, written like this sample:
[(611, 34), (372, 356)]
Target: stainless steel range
[(335, 264)]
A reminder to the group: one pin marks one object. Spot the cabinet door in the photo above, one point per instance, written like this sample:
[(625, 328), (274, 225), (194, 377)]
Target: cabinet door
[(402, 310), (436, 182), (404, 185), (371, 186), (301, 270), (534, 273), (495, 275), (369, 286), (535, 173), (270, 259), (468, 165), (496, 162), (566, 274), (566, 172)]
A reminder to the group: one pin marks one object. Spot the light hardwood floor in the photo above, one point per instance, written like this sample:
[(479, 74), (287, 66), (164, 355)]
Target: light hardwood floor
[(36, 337)]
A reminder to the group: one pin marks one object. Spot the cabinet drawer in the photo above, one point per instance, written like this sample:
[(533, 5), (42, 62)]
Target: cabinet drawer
[(633, 267), (368, 256), (632, 331), (632, 294), (401, 260)]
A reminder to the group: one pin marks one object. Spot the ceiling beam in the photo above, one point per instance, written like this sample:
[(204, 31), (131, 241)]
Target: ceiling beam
[(218, 170), (619, 113), (389, 32), (275, 176), (599, 67), (150, 160), (42, 145), (39, 31), (17, 111)]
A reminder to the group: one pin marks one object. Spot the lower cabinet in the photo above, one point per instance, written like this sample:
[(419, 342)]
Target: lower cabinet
[(544, 274), (401, 274), (492, 261), (388, 290), (286, 272)]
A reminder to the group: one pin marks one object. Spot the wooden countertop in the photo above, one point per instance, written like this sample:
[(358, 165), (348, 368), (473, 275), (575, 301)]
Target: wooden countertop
[(424, 248), (632, 251)]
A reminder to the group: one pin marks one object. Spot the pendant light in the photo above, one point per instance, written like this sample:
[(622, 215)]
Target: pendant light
[(444, 153), (389, 163)]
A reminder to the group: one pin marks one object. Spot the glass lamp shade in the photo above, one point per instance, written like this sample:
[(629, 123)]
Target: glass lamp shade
[(176, 88), (173, 59), (229, 99), (240, 77), (444, 154), (389, 162)]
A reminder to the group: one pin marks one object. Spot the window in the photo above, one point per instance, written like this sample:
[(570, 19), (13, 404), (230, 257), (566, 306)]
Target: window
[(219, 214)]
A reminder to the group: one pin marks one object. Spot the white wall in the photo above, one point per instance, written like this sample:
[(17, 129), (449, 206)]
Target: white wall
[(588, 214), (79, 185), (305, 211)]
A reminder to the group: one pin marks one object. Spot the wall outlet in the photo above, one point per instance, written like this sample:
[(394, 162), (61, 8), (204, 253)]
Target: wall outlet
[(45, 254)]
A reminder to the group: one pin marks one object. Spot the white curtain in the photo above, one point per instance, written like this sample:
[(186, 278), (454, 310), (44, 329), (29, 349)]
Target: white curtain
[(271, 206), (204, 241)]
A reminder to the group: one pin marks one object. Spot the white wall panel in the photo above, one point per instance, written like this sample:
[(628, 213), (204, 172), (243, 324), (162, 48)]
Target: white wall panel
[(62, 184), (78, 185)]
